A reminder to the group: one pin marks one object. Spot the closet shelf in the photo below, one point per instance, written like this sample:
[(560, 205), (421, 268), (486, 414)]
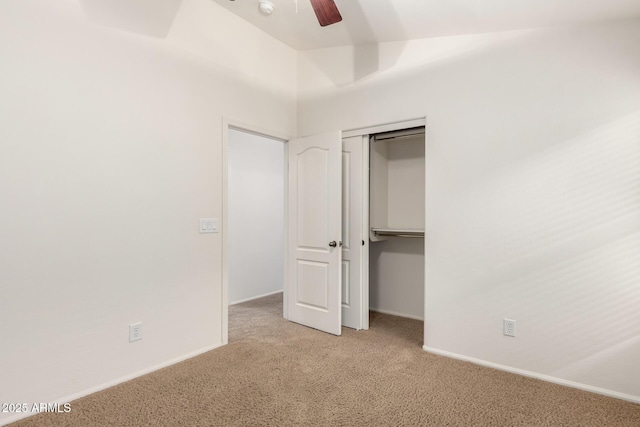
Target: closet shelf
[(398, 232)]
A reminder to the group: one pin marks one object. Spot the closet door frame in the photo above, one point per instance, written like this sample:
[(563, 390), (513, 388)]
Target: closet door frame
[(365, 134), (355, 304)]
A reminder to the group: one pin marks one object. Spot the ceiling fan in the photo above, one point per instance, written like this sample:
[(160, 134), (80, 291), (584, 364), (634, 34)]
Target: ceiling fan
[(326, 11)]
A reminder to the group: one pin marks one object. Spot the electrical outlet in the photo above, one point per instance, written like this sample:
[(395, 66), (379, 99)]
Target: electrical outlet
[(509, 327), (135, 332)]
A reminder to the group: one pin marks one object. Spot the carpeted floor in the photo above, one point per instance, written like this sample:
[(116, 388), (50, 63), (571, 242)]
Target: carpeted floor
[(274, 372)]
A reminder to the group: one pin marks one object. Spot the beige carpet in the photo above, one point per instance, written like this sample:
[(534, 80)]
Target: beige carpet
[(278, 373)]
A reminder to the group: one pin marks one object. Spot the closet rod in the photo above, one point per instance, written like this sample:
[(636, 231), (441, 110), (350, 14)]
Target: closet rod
[(404, 133), (398, 233)]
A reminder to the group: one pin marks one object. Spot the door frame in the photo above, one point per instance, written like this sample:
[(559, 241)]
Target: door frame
[(229, 123), (365, 133)]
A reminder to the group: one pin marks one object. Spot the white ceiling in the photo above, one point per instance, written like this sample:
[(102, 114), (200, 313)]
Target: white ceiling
[(150, 17), (370, 21)]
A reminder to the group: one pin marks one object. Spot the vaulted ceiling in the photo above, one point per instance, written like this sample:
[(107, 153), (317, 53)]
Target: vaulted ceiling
[(370, 21)]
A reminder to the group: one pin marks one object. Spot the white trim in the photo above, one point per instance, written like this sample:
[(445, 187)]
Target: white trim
[(224, 237), (255, 130), (425, 240), (387, 127), (364, 270), (395, 313), (285, 254), (115, 382), (543, 377), (256, 297)]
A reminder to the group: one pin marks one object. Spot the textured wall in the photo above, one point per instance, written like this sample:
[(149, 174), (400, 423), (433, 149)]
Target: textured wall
[(533, 187), (111, 152)]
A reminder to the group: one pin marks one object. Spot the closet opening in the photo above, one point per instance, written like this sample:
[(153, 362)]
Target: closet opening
[(397, 222)]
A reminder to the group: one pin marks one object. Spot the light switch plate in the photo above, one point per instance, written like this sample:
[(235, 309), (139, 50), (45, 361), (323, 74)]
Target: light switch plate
[(208, 225)]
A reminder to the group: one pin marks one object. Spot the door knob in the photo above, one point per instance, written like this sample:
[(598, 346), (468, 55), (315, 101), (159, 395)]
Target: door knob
[(333, 244)]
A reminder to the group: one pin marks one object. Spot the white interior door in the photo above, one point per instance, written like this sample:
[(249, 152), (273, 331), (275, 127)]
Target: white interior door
[(352, 233), (314, 231)]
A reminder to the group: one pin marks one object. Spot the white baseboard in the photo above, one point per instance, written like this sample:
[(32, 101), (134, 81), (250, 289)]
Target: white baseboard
[(548, 378), (252, 298), (112, 383), (395, 313)]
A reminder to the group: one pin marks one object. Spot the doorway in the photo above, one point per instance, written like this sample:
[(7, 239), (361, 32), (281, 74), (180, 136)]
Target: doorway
[(255, 215)]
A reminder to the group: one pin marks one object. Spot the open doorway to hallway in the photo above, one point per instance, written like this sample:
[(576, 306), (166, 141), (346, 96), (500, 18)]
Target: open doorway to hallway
[(256, 172)]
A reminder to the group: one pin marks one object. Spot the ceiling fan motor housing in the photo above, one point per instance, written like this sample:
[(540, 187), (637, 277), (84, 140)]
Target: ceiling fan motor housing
[(266, 7)]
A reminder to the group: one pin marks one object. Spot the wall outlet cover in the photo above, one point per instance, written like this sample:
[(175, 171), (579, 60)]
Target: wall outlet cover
[(509, 327), (135, 332)]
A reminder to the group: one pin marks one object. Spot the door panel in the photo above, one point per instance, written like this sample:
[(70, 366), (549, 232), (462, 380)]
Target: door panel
[(312, 195), (314, 221), (346, 294), (352, 234), (346, 200), (313, 284)]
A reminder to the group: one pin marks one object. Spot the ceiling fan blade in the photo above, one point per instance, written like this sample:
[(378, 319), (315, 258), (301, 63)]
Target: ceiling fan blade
[(326, 11)]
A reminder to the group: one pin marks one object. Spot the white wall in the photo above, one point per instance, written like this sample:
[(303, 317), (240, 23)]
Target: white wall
[(256, 216), (396, 277), (533, 187), (111, 152)]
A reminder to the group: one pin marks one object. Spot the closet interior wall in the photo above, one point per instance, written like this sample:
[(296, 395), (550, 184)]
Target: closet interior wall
[(397, 212)]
